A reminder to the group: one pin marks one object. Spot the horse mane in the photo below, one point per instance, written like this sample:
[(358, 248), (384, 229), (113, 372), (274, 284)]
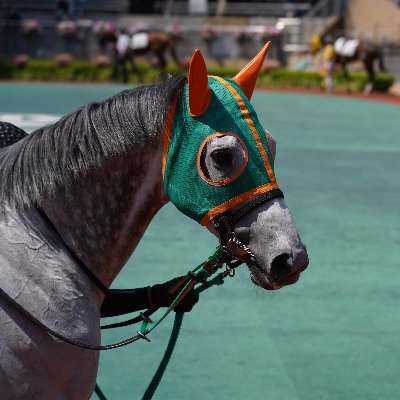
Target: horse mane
[(57, 155)]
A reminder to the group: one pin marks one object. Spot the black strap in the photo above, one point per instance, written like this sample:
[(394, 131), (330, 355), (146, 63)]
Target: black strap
[(224, 222), (40, 324), (253, 203), (101, 286), (72, 253), (135, 320)]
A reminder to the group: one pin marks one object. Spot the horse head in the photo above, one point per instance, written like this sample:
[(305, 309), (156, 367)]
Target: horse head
[(218, 169)]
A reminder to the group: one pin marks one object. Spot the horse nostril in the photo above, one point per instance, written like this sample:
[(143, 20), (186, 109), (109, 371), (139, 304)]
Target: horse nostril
[(281, 266)]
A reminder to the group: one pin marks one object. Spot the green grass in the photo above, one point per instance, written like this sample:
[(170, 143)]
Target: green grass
[(85, 71)]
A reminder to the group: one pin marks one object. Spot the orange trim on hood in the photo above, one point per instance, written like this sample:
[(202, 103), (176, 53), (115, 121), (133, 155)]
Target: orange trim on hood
[(252, 127), (237, 201)]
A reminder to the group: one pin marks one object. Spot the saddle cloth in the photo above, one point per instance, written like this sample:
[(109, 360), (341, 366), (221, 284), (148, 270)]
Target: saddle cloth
[(139, 40), (346, 47)]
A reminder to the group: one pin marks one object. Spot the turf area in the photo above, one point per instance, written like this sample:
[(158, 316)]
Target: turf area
[(333, 335)]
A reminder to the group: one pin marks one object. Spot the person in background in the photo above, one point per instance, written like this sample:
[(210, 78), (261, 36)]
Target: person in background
[(121, 55), (327, 63)]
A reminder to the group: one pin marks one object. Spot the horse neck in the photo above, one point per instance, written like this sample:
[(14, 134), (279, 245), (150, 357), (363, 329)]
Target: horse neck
[(103, 217)]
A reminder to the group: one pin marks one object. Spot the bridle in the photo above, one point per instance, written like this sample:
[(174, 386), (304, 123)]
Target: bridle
[(231, 252), (238, 252)]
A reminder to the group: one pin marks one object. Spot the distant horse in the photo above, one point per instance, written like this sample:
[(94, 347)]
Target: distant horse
[(156, 43), (350, 50), (77, 196)]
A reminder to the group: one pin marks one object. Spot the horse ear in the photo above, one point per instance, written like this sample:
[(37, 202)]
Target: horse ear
[(199, 91), (247, 77)]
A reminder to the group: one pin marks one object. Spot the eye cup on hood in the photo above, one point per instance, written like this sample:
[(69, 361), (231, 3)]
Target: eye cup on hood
[(222, 158)]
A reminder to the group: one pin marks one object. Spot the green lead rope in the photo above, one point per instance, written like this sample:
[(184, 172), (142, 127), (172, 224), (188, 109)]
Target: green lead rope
[(155, 381), (200, 273), (99, 393)]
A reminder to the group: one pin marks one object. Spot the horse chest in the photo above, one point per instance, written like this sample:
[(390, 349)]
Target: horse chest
[(39, 276)]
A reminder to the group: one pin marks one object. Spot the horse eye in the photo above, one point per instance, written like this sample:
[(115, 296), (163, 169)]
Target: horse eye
[(222, 158)]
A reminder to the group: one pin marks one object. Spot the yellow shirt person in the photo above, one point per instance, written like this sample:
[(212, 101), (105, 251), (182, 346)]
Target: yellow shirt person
[(327, 66)]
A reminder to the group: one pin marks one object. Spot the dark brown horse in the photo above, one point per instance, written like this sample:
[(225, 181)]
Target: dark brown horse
[(158, 44), (350, 50)]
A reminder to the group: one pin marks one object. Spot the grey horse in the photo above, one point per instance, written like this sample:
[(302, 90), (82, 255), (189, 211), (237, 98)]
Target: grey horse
[(97, 175)]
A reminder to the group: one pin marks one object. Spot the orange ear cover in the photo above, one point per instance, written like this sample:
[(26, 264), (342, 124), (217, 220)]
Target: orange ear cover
[(199, 91), (247, 77)]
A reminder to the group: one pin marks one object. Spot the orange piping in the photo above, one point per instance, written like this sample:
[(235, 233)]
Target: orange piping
[(253, 129), (236, 201)]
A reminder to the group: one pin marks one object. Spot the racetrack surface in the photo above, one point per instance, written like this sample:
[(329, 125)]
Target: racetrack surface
[(333, 335)]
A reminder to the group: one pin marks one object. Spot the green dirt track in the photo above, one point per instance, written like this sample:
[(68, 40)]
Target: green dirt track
[(335, 334)]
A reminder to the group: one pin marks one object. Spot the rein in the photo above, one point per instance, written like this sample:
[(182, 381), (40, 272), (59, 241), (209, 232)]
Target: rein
[(72, 253), (199, 274), (231, 252)]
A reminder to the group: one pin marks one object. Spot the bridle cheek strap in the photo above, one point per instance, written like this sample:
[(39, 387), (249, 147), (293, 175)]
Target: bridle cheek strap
[(224, 224)]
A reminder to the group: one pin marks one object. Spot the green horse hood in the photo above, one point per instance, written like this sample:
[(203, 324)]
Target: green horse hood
[(210, 106)]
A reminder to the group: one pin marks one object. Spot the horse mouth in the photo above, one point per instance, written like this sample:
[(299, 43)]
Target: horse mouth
[(261, 278)]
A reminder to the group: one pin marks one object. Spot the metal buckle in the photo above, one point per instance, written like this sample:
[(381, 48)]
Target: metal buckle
[(143, 335), (229, 271)]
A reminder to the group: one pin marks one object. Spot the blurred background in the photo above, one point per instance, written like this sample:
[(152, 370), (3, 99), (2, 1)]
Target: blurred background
[(81, 36)]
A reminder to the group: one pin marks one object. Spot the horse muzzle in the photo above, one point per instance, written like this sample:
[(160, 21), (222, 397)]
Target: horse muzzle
[(284, 270)]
